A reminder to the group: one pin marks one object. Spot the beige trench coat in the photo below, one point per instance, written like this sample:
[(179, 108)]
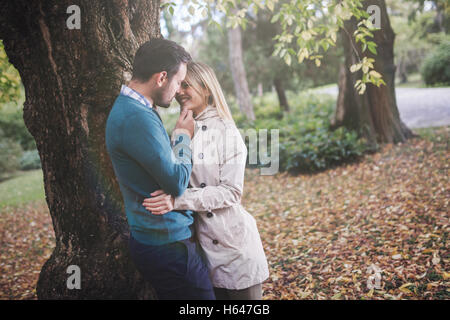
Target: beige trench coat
[(226, 231)]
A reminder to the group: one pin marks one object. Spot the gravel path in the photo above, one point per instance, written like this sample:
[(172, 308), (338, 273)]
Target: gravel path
[(419, 107)]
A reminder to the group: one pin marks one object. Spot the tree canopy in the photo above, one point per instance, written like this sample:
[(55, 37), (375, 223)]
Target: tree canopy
[(308, 28)]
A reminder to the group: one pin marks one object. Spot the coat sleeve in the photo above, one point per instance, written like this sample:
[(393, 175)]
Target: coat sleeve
[(146, 141), (233, 156)]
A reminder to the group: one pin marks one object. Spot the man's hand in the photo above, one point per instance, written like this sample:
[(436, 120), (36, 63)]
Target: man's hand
[(185, 123), (160, 203)]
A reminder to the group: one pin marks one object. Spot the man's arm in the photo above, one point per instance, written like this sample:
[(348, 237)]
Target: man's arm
[(146, 141)]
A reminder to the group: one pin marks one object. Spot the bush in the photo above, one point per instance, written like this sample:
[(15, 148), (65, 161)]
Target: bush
[(10, 152), (436, 67), (30, 160), (14, 128), (307, 144), (320, 149)]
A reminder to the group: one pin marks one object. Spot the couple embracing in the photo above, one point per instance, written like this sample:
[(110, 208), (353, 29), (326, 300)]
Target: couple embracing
[(189, 235)]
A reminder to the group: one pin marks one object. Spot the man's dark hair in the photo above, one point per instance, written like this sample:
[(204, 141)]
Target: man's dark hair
[(157, 55)]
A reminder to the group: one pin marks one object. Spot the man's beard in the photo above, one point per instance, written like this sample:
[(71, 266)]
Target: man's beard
[(160, 100)]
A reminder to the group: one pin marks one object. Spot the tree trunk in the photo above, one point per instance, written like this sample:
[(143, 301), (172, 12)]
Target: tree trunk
[(374, 114), (278, 84), (402, 70), (71, 79), (439, 19), (260, 89), (238, 72)]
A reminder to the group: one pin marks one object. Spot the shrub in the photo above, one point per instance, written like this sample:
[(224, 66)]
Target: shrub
[(10, 152), (320, 149), (436, 67), (14, 128), (307, 144), (30, 160)]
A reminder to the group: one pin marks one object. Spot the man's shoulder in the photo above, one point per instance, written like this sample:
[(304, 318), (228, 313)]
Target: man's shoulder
[(130, 105), (129, 109)]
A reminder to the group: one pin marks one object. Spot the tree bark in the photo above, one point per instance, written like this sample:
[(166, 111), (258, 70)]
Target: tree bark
[(71, 79), (238, 72), (402, 70), (278, 84), (374, 114), (260, 89)]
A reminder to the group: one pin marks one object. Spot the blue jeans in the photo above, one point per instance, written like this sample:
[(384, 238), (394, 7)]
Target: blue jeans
[(176, 270)]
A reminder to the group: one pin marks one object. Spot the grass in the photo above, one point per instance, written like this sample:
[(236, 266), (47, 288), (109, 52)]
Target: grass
[(26, 187), (414, 81)]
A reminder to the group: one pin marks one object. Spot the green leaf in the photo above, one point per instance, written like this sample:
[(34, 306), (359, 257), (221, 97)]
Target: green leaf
[(287, 59), (375, 74), (355, 67), (275, 18), (364, 47), (372, 48)]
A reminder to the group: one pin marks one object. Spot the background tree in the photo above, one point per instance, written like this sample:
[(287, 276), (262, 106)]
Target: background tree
[(269, 71), (416, 34), (238, 70), (374, 114), (263, 67), (71, 78)]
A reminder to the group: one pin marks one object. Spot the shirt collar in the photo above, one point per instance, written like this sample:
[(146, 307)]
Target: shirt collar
[(127, 91)]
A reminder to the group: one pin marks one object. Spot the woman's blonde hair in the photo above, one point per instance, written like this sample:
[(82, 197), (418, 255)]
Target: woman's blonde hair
[(200, 76)]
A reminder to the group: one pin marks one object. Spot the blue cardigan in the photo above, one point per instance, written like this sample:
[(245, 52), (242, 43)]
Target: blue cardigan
[(144, 161)]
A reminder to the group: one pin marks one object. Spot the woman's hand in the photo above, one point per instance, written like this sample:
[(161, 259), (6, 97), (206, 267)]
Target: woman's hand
[(160, 202)]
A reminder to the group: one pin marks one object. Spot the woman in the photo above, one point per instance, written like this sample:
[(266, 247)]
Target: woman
[(226, 232)]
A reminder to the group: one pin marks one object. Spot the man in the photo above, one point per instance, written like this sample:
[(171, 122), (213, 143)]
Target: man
[(144, 160)]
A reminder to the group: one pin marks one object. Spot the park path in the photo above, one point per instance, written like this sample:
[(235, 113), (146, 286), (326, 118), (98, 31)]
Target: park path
[(418, 107)]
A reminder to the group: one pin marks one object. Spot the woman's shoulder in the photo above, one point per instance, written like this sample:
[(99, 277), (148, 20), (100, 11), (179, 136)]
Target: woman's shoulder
[(220, 124)]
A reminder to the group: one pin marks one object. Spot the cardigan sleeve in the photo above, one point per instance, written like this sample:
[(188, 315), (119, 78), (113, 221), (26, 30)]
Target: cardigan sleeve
[(146, 141)]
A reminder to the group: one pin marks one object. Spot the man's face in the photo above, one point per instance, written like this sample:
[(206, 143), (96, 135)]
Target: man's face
[(167, 92)]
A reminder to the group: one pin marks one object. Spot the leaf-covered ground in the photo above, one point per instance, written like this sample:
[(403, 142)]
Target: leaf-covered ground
[(324, 235), (26, 242)]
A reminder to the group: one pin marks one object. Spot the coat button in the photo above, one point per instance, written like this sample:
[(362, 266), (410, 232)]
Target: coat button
[(200, 155), (202, 185), (215, 241), (204, 128), (209, 214)]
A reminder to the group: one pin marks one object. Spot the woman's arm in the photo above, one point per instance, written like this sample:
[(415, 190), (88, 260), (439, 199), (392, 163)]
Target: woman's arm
[(228, 193)]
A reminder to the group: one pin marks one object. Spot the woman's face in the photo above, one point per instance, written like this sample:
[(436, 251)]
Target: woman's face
[(188, 98)]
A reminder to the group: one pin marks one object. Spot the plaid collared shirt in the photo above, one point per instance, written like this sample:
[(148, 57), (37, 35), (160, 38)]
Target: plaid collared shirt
[(126, 91)]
